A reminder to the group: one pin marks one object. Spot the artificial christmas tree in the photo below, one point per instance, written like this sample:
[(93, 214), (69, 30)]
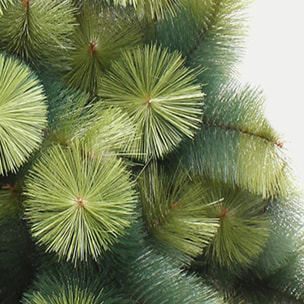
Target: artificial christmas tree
[(134, 166)]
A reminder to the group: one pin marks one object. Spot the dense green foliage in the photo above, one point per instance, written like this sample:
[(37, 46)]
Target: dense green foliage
[(134, 166), (22, 113)]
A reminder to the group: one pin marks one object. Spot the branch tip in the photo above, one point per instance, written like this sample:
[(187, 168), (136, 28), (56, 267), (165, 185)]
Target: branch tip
[(92, 47), (80, 202), (8, 187), (223, 212), (26, 3)]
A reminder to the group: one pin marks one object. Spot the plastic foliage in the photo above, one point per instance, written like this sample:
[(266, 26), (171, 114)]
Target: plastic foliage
[(153, 176), (116, 262), (185, 30), (175, 211), (221, 44), (102, 33), (151, 270), (70, 115), (250, 291), (150, 9), (16, 259), (159, 94), (273, 278), (110, 131), (74, 116), (3, 5), (244, 227), (289, 277), (265, 280), (38, 31), (286, 224), (236, 144), (64, 284), (78, 204), (23, 114), (10, 205)]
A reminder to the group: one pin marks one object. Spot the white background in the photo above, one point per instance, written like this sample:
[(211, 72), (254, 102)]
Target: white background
[(275, 61)]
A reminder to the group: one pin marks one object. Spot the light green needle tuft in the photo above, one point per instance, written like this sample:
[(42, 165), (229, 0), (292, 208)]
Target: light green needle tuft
[(23, 114), (160, 95), (244, 226), (38, 31), (102, 33), (174, 212), (151, 9), (78, 204)]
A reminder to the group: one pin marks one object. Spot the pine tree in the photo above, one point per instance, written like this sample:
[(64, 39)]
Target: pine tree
[(134, 166)]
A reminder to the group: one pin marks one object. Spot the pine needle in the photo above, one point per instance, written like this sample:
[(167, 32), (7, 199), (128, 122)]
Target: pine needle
[(174, 212), (63, 284), (3, 5), (78, 205), (22, 114), (38, 31), (244, 227), (236, 144), (285, 233), (155, 279), (110, 131), (102, 34), (151, 9), (185, 30), (70, 115), (159, 94), (75, 117), (221, 45), (10, 206)]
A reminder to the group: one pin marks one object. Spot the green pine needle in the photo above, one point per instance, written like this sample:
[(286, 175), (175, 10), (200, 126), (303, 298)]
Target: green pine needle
[(236, 144), (109, 131), (3, 5), (221, 45), (73, 116), (151, 9), (126, 250), (65, 285), (185, 31), (160, 95), (244, 227), (78, 204), (70, 115), (289, 277), (10, 206), (71, 294), (286, 222), (16, 259), (22, 114), (37, 31), (211, 218), (102, 34), (61, 283), (174, 212), (178, 33), (203, 11), (156, 278)]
